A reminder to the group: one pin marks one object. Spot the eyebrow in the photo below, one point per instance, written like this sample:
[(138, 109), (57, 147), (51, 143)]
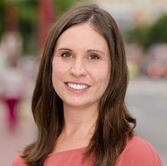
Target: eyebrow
[(90, 50), (65, 49), (94, 50)]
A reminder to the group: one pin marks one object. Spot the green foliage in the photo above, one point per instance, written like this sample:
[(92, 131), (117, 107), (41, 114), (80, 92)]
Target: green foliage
[(28, 24), (2, 28), (158, 32), (28, 10), (62, 6), (139, 35), (147, 36)]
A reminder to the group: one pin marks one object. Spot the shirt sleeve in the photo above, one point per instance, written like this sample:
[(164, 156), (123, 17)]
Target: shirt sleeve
[(18, 161), (139, 152)]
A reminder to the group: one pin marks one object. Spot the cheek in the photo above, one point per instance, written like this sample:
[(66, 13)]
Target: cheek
[(108, 75), (104, 72), (56, 77), (56, 71), (102, 76), (57, 67)]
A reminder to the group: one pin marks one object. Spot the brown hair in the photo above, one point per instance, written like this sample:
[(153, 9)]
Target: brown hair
[(114, 123)]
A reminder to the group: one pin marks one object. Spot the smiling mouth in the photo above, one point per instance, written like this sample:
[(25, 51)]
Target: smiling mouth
[(77, 86)]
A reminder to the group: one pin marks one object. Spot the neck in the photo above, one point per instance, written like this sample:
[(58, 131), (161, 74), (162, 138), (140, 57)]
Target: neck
[(78, 128), (78, 118)]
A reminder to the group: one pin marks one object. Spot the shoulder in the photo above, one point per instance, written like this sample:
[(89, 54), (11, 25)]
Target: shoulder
[(139, 152), (18, 161)]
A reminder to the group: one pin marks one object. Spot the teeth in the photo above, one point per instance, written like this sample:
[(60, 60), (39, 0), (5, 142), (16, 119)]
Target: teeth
[(77, 86)]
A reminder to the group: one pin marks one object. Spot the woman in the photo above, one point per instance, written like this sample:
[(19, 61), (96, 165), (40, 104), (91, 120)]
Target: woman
[(78, 102)]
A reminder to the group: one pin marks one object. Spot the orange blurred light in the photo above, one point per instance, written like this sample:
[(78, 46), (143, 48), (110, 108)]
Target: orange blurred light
[(164, 71), (154, 70)]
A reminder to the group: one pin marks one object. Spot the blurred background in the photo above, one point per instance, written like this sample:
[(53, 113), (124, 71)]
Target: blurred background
[(24, 25)]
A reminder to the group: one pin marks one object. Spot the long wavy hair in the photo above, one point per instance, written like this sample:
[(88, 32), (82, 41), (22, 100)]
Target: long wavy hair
[(114, 123)]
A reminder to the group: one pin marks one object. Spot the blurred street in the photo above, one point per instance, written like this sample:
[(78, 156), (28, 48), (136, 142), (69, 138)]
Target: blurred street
[(146, 99), (13, 142)]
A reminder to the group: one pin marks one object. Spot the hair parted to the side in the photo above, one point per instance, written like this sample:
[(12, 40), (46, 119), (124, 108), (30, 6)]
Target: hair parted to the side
[(114, 123)]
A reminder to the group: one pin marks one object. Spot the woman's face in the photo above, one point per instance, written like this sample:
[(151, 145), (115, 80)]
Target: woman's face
[(81, 66)]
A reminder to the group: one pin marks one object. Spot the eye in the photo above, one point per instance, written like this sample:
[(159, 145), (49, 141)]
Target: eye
[(66, 55), (93, 57)]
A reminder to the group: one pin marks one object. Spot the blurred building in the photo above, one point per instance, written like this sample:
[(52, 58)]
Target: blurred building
[(131, 12)]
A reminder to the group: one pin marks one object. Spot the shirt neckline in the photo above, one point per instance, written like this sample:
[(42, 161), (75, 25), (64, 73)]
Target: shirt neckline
[(67, 151)]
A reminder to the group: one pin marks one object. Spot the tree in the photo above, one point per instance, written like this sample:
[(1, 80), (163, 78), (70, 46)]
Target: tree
[(138, 35), (1, 17), (148, 35), (158, 31)]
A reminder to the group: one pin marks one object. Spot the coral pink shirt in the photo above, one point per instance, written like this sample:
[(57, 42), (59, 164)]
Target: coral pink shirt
[(137, 152)]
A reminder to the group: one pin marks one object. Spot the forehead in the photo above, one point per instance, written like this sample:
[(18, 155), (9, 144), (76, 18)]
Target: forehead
[(83, 34)]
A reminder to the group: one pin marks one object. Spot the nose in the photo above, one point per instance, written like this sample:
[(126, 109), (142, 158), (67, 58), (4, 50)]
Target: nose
[(78, 67)]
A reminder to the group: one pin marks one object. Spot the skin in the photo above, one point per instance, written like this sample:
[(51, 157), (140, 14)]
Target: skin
[(80, 75)]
